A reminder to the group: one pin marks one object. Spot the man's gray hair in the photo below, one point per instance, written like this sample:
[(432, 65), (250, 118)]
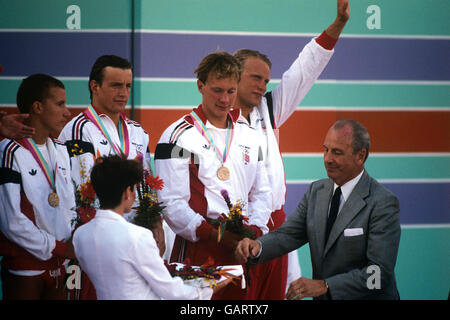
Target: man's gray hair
[(361, 137)]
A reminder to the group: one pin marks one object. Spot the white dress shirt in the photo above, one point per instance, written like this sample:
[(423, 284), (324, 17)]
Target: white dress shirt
[(123, 262), (346, 189)]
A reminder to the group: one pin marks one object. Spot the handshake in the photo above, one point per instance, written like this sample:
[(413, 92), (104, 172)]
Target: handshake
[(247, 248), (298, 289)]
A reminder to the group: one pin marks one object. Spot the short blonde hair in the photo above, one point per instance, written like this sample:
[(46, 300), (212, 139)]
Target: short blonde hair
[(220, 63)]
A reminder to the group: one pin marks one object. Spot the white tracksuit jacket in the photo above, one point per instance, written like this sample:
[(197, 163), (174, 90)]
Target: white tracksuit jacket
[(188, 165), (28, 224), (85, 140)]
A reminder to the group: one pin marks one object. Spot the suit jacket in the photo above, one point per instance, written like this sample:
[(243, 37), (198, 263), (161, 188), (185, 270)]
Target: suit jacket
[(366, 233)]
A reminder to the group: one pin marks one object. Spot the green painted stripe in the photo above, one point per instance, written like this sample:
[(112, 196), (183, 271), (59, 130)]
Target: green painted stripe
[(51, 14), (417, 278), (380, 167), (167, 93), (385, 95), (418, 247), (310, 167), (339, 95), (77, 92), (398, 17), (161, 93)]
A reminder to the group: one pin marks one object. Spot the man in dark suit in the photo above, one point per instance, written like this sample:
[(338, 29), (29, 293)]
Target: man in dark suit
[(350, 221)]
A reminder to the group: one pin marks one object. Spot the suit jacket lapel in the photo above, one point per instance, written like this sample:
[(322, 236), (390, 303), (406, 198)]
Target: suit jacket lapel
[(354, 204)]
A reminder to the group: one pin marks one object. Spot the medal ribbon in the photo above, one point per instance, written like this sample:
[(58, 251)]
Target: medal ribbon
[(204, 131), (122, 128), (31, 146)]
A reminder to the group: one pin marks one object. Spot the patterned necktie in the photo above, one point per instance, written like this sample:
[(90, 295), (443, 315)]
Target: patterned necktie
[(333, 211)]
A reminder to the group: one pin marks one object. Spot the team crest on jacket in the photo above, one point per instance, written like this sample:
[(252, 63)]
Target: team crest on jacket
[(139, 147), (245, 154), (246, 157)]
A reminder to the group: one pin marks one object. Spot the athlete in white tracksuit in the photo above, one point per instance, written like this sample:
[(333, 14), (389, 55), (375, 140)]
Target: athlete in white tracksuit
[(33, 232), (269, 113)]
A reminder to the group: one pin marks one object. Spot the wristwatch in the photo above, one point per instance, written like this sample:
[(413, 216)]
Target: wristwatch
[(328, 289)]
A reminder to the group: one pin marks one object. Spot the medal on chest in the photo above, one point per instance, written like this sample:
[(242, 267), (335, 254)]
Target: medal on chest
[(223, 173), (53, 198)]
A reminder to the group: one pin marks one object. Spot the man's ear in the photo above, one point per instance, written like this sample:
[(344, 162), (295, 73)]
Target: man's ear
[(200, 86), (362, 156), (129, 192), (37, 107), (94, 85), (126, 194)]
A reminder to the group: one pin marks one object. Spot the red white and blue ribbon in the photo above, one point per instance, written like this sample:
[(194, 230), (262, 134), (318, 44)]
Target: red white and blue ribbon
[(200, 126), (124, 147)]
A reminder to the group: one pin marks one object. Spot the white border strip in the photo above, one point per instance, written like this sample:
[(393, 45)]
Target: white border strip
[(66, 30), (70, 106), (273, 81), (314, 108), (328, 81), (151, 107), (231, 33), (381, 82), (411, 181), (425, 226), (60, 78), (370, 108), (299, 108), (374, 154), (290, 34)]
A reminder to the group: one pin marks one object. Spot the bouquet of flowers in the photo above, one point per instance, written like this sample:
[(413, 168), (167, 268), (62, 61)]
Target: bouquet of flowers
[(86, 208), (84, 197), (234, 221), (205, 275), (150, 209)]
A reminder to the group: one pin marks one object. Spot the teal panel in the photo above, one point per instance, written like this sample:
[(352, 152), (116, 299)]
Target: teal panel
[(167, 93), (77, 92), (409, 167), (339, 94), (378, 95), (422, 263), (51, 14), (398, 17), (309, 167)]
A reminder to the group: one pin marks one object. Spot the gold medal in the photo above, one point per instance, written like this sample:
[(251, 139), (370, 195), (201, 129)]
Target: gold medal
[(223, 173), (53, 199)]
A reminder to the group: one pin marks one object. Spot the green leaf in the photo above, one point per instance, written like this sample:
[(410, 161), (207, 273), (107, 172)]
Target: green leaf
[(222, 227)]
